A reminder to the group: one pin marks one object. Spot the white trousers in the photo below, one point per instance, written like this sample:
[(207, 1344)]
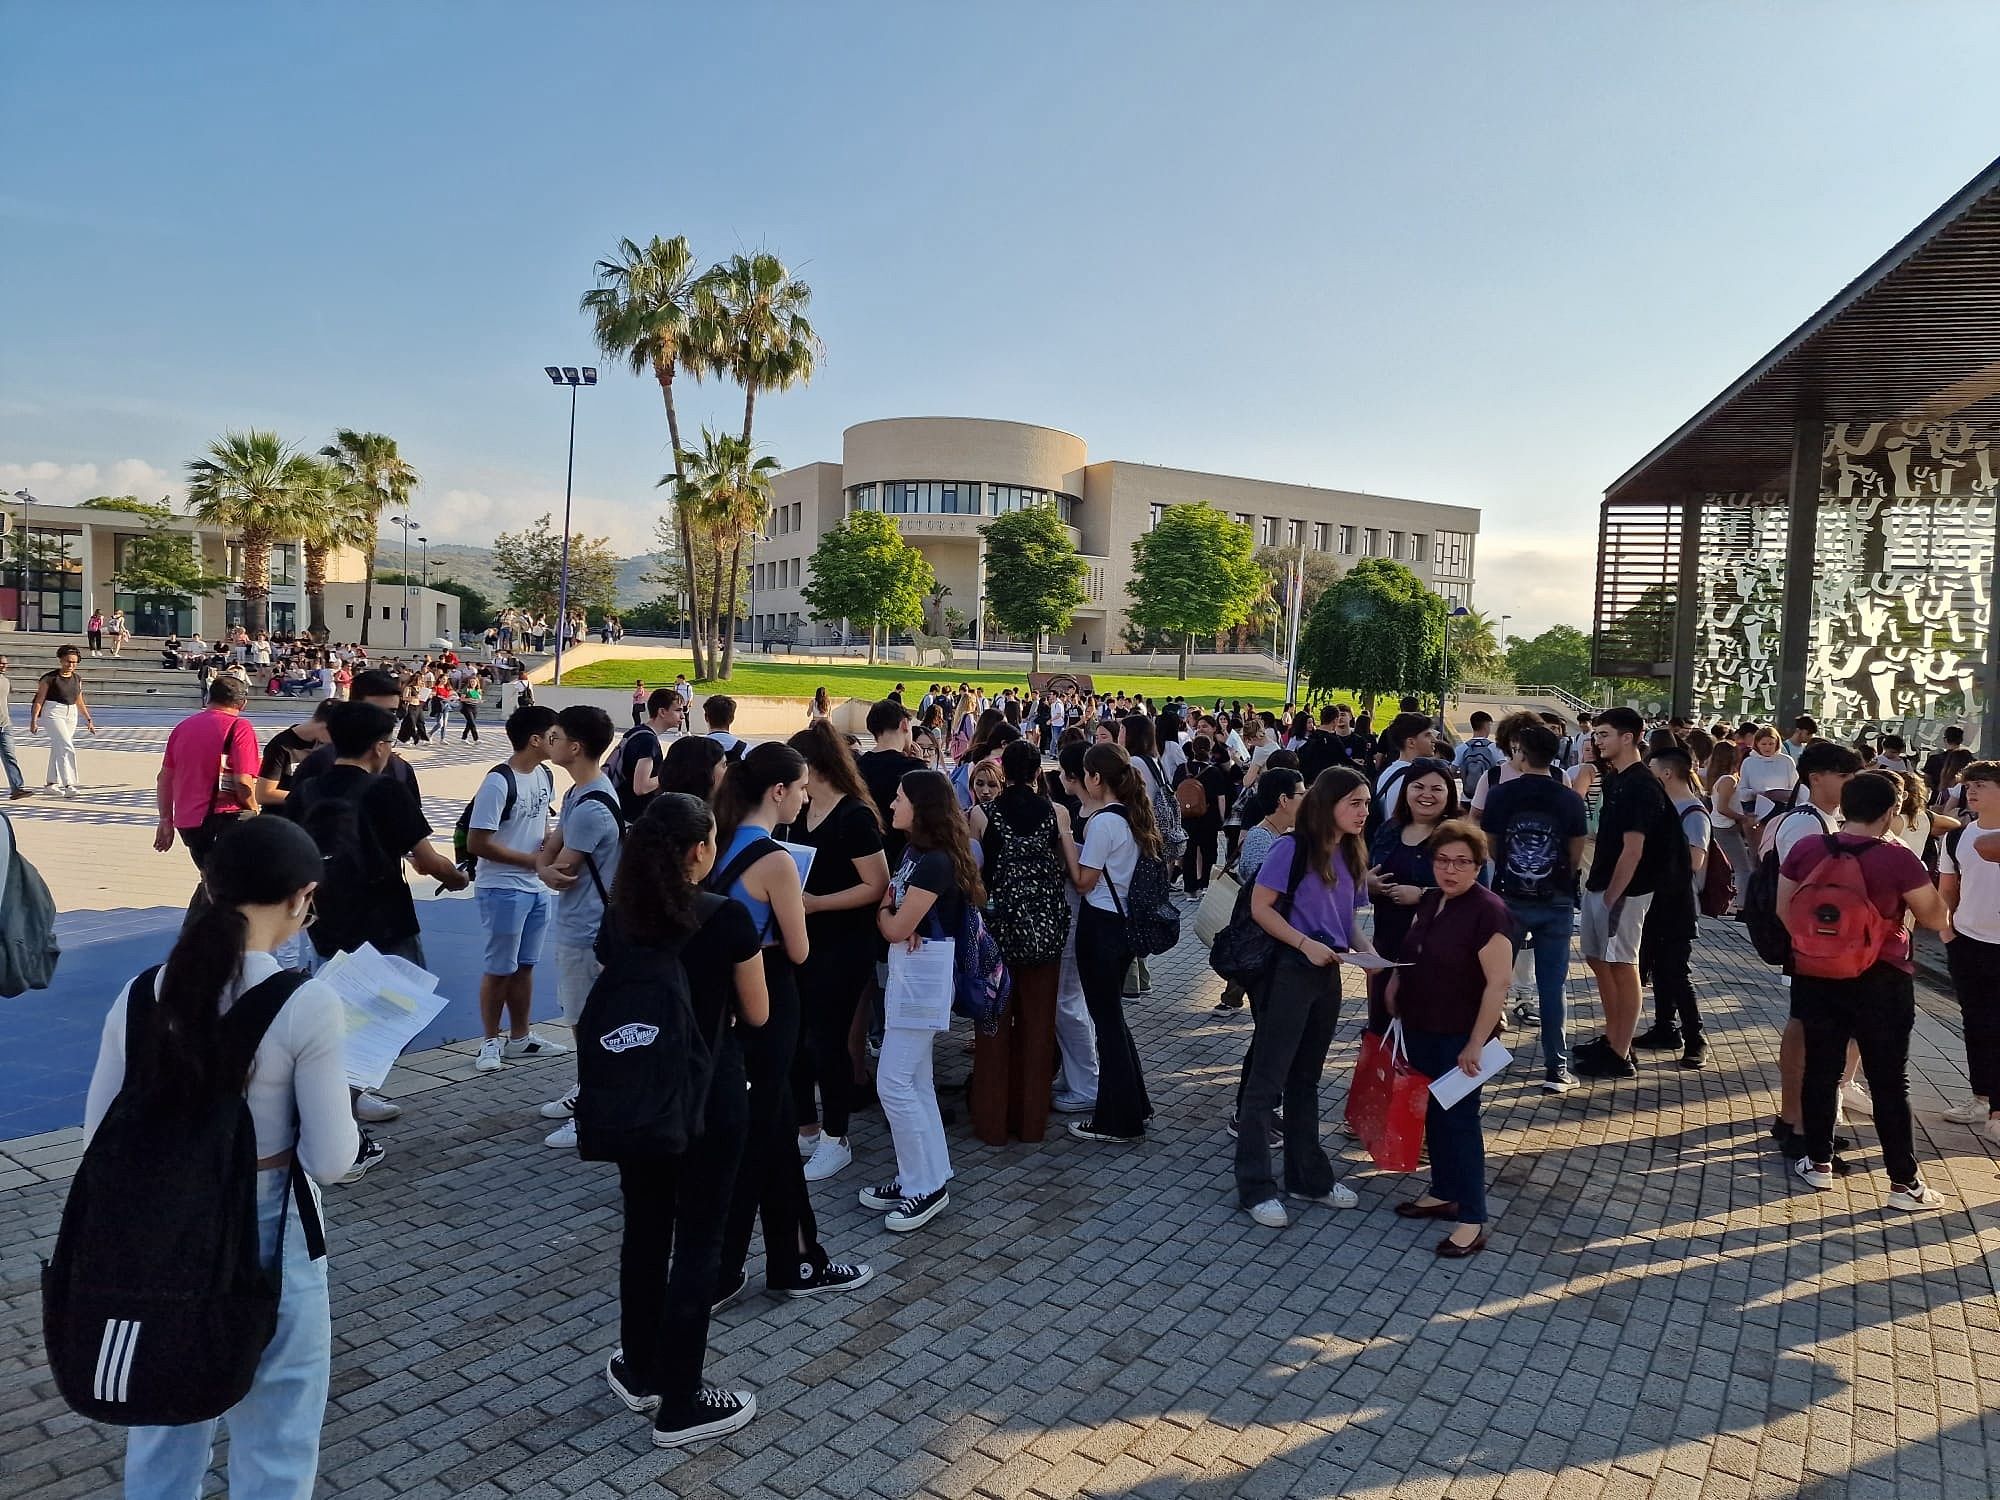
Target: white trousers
[(1076, 1036), (60, 721), (909, 1102)]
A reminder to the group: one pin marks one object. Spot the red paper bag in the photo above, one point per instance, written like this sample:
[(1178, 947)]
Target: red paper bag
[(1388, 1102)]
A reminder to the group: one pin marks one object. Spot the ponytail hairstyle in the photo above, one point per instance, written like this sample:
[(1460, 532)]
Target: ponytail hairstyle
[(827, 755), (747, 780), (1111, 765), (651, 895), (689, 765), (259, 862), (937, 823), (1316, 832), (1136, 736)]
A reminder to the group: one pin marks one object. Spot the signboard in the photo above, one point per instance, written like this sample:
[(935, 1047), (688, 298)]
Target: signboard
[(1059, 682)]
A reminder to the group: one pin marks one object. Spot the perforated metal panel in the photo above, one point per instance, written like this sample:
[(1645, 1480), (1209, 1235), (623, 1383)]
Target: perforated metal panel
[(1638, 571)]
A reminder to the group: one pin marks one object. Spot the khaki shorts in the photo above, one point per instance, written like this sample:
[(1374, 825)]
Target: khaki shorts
[(576, 971), (1609, 942)]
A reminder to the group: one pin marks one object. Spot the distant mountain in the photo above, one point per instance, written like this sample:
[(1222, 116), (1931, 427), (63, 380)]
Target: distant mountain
[(474, 566)]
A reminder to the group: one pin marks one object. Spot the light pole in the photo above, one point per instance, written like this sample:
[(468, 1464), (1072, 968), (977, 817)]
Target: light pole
[(1444, 683), (408, 525), (426, 574), (1503, 631), (571, 376)]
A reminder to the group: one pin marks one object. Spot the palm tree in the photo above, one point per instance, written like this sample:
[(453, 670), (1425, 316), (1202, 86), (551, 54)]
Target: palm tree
[(381, 479), (1475, 641), (722, 492), (338, 514), (643, 310), (752, 311), (251, 483)]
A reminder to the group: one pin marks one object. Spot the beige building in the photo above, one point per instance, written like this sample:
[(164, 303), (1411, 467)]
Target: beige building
[(943, 478), (57, 563)]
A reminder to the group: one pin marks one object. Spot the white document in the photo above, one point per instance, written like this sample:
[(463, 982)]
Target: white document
[(1369, 961), (1455, 1085), (388, 1001), (919, 992), (802, 856)]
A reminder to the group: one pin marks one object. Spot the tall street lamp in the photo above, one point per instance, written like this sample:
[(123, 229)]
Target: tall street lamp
[(1444, 677), (1503, 631), (408, 525), (426, 574), (571, 376)]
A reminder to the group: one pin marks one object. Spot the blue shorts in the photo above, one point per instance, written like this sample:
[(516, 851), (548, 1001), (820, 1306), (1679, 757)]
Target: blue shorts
[(514, 921)]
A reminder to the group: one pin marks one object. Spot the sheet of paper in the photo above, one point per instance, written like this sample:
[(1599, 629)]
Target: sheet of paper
[(802, 856), (388, 1001), (1369, 961), (919, 992), (1456, 1084)]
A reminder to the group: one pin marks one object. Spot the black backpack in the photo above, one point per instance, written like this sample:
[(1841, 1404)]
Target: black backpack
[(461, 831), (1152, 921), (156, 1305), (643, 1068), (1027, 909), (1243, 953), (619, 767), (346, 900), (1768, 934)]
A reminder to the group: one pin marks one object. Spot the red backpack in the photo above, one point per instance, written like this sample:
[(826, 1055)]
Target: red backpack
[(1837, 932)]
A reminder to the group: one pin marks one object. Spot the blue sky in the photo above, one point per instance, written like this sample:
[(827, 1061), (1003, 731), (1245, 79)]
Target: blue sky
[(1473, 253)]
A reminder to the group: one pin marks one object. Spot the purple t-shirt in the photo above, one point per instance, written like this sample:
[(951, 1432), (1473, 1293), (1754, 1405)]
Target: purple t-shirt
[(1317, 911)]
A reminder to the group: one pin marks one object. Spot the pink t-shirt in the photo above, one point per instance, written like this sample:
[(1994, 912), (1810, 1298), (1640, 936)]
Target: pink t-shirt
[(195, 762)]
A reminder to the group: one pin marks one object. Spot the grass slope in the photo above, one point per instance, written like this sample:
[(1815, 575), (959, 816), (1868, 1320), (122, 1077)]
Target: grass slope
[(754, 679)]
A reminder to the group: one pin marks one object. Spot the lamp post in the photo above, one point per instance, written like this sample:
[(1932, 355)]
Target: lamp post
[(426, 574), (1503, 631), (571, 376), (1444, 677), (408, 525)]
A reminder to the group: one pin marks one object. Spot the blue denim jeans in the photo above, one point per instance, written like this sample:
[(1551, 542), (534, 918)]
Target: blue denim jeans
[(1550, 924), (1458, 1146), (273, 1431), (15, 780)]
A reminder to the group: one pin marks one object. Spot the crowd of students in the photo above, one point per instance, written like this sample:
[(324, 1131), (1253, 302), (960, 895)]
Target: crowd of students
[(791, 881)]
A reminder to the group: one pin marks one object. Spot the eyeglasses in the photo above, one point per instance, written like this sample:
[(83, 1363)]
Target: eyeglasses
[(1454, 862)]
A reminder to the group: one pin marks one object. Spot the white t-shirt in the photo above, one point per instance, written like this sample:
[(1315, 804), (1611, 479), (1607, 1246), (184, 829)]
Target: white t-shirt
[(1773, 776), (725, 739), (1978, 914), (1108, 845), (1172, 758), (524, 830), (1806, 821)]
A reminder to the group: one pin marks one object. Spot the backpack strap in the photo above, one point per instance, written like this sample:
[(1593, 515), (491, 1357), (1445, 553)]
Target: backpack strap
[(244, 1026), (139, 1013), (599, 795), (506, 774), (719, 881)]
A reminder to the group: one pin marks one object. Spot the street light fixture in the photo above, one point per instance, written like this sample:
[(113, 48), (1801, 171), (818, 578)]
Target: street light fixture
[(426, 574), (1444, 682), (571, 376), (408, 525), (1503, 631)]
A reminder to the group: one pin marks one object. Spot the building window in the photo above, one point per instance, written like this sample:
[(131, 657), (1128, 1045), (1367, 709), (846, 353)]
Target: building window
[(1453, 550), (1158, 511), (798, 563), (861, 497), (1267, 532), (1371, 543), (1417, 552), (350, 611), (1012, 497), (1322, 536), (798, 514), (1295, 533), (1243, 518), (1347, 541), (284, 564), (1394, 548)]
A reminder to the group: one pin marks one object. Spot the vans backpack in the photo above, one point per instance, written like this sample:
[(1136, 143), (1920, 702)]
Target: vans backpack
[(28, 949), (643, 1066), (157, 1305), (1191, 796), (1027, 905), (1837, 932), (1166, 811), (1152, 921)]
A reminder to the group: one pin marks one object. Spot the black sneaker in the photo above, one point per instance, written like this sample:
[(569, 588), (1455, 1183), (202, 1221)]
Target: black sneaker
[(1696, 1053), (831, 1277), (713, 1413), (635, 1396), (1276, 1139), (1602, 1062), (915, 1213), (882, 1197), (730, 1294), (1086, 1130), (370, 1153), (1659, 1038)]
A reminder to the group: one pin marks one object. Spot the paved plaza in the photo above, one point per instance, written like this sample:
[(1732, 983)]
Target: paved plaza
[(1664, 1312)]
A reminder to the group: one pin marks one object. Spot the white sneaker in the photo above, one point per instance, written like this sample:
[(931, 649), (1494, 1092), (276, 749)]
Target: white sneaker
[(809, 1144), (1914, 1196), (563, 1108), (1340, 1195), (1973, 1112), (1854, 1096), (1818, 1174), (372, 1109), (1072, 1104), (489, 1055), (832, 1155), (533, 1045), (1990, 1130), (1271, 1214), (564, 1136)]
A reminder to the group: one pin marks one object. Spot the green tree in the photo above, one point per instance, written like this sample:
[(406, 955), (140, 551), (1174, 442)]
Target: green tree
[(1375, 631), (725, 492), (476, 609), (654, 614), (1193, 574), (643, 311), (131, 504), (530, 561), (251, 483), (163, 566), (1266, 619), (864, 570), (382, 480), (753, 326), (1558, 657), (1475, 646), (671, 571), (1034, 575)]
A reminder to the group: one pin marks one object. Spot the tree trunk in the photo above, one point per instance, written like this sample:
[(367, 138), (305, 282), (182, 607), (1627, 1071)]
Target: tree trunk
[(1035, 652), (872, 628), (729, 641), (749, 408), (715, 603), (665, 374), (1187, 645), (367, 593), (256, 584), (316, 591)]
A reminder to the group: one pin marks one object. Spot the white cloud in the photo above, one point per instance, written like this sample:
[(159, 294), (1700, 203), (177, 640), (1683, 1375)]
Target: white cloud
[(475, 516), (66, 484), (1538, 579)]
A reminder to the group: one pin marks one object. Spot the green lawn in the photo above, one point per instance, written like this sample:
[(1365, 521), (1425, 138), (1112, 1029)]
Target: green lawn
[(756, 679)]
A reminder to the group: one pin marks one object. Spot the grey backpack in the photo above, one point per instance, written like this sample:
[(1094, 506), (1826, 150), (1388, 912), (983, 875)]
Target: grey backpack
[(28, 950)]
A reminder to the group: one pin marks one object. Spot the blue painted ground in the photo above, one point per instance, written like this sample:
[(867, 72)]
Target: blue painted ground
[(48, 1038)]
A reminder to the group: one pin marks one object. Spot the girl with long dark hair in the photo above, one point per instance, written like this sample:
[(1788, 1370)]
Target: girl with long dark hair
[(763, 790), (1399, 869), (848, 876), (1304, 898), (258, 879), (926, 899), (693, 765), (675, 1204)]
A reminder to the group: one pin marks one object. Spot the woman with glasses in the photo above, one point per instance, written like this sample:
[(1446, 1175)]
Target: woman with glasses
[(1459, 953), (1399, 866)]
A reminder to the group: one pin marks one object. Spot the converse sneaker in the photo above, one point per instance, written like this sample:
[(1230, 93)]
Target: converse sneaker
[(830, 1156), (563, 1137), (1086, 1130), (1973, 1111), (809, 1144), (1271, 1214), (489, 1055), (533, 1045), (882, 1197), (831, 1277), (370, 1108), (1911, 1196), (1340, 1195), (1818, 1174), (635, 1396), (563, 1108), (370, 1153), (713, 1413), (915, 1213), (726, 1296)]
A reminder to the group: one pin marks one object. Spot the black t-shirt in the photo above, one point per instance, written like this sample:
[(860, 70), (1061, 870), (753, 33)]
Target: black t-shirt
[(1530, 822), (881, 772), (639, 746), (282, 754), (710, 956), (931, 871), (392, 823), (62, 689), (1634, 802), (848, 833), (323, 756)]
